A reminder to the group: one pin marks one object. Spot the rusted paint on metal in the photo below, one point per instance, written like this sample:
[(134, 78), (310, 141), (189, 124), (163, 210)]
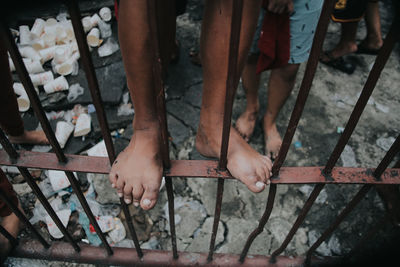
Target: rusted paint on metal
[(124, 256), (204, 169)]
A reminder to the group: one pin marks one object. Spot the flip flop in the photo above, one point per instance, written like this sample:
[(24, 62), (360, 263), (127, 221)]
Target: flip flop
[(339, 63), (368, 51)]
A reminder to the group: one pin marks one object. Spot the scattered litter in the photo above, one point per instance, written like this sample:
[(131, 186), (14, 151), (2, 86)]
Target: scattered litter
[(63, 131), (118, 233), (40, 148), (91, 108), (105, 13), (383, 108), (125, 110), (98, 150), (83, 125), (23, 100), (58, 84), (58, 179), (92, 237), (108, 48), (93, 38), (106, 223), (52, 227), (339, 129), (385, 142), (126, 243), (105, 29), (348, 157), (75, 90), (297, 144)]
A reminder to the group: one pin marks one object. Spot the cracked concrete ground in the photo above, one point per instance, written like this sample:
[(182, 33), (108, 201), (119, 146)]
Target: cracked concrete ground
[(328, 107)]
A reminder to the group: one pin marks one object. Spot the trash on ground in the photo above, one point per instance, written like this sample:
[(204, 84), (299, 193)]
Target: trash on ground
[(63, 215)]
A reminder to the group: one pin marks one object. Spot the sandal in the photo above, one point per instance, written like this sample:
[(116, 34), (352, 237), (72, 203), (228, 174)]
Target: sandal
[(368, 51), (339, 63)]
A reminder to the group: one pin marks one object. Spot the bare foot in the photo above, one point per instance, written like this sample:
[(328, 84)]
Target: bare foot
[(137, 171), (244, 163), (272, 139), (13, 225), (30, 137), (339, 51), (245, 124)]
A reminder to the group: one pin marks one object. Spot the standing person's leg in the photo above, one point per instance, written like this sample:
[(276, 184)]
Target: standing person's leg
[(10, 119), (251, 81), (280, 85), (10, 221), (244, 163), (137, 171), (373, 41)]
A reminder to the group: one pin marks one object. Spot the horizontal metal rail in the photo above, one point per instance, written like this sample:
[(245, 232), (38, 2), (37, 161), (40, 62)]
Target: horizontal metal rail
[(204, 169), (123, 256)]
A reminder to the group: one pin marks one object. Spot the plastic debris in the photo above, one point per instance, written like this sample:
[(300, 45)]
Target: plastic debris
[(83, 125), (106, 223), (118, 233), (92, 237), (75, 90), (52, 227), (108, 48), (63, 131), (125, 110), (348, 157), (105, 13), (98, 150), (58, 179), (297, 144), (380, 107), (385, 142), (339, 129), (91, 108), (105, 29)]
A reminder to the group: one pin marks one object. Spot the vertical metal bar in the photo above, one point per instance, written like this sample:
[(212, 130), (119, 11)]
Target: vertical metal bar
[(304, 211), (394, 149), (369, 87), (29, 179), (217, 214), (356, 199), (7, 235), (370, 234), (162, 118), (97, 101), (22, 217), (305, 84), (231, 80), (261, 224), (37, 107)]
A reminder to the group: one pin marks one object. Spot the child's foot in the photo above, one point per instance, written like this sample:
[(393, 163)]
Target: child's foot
[(272, 139), (137, 171), (30, 137), (245, 124), (244, 163), (13, 225)]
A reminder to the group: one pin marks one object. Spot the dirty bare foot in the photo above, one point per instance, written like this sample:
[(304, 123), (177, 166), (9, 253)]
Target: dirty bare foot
[(244, 163), (272, 138), (137, 171), (13, 225), (245, 124), (30, 137)]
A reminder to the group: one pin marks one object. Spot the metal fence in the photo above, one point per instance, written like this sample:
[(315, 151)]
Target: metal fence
[(318, 175)]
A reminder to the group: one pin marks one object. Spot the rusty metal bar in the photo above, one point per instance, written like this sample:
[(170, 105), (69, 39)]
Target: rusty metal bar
[(97, 101), (7, 235), (162, 116), (349, 207), (380, 62), (261, 224), (205, 169), (217, 214), (370, 234), (7, 146), (37, 107), (23, 218), (232, 78), (304, 211), (29, 179), (394, 149), (306, 83), (124, 256)]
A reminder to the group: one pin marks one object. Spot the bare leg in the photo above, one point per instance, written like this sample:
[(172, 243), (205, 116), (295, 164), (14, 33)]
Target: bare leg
[(137, 171), (280, 86), (244, 163), (13, 225), (347, 43), (373, 40), (251, 81), (30, 137)]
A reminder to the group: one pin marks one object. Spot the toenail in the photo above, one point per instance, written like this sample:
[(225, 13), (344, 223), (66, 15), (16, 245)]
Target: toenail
[(113, 185), (120, 194), (270, 173), (260, 184), (146, 202), (136, 204), (268, 182), (127, 201)]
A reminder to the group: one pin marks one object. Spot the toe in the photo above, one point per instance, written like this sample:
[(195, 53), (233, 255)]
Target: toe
[(150, 195), (127, 194), (137, 193), (113, 179), (255, 184), (120, 187)]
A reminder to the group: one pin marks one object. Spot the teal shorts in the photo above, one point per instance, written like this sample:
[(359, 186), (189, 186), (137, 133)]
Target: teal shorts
[(303, 22)]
